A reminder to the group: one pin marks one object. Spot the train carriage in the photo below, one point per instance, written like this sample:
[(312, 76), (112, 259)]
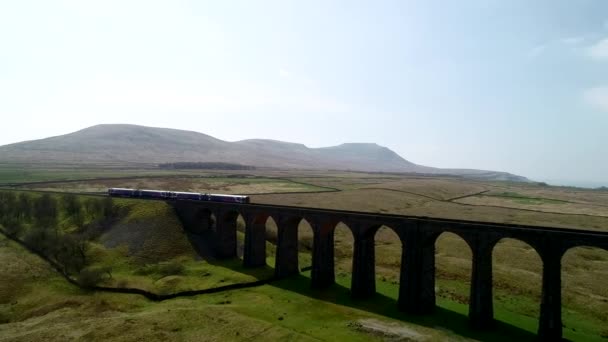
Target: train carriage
[(177, 195)]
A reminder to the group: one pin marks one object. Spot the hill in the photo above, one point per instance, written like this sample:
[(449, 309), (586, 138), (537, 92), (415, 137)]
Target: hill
[(128, 144)]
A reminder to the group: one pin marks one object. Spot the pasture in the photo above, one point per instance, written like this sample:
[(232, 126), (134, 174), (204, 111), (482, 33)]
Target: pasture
[(517, 268)]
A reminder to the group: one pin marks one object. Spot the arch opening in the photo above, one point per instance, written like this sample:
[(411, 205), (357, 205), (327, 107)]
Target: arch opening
[(453, 268), (516, 282), (257, 250), (344, 242), (240, 236), (584, 293), (387, 258), (271, 239), (305, 245)]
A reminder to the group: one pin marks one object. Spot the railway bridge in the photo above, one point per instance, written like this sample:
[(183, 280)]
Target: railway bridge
[(417, 234)]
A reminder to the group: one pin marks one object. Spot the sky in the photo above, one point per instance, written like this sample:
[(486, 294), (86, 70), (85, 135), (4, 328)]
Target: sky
[(514, 85)]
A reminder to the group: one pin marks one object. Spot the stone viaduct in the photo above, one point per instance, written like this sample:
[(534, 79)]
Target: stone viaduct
[(417, 234)]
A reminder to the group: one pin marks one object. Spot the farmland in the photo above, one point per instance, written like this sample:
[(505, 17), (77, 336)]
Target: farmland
[(517, 267)]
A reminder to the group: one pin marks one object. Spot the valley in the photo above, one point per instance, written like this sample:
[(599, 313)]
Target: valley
[(132, 248)]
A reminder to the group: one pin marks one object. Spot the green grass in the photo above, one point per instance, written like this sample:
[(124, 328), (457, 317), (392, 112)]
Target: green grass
[(51, 309)]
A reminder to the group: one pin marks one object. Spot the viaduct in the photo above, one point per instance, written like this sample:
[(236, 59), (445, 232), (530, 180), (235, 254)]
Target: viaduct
[(417, 234)]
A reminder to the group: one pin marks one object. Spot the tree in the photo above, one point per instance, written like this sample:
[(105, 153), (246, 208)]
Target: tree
[(8, 205), (39, 239), (12, 226), (24, 206), (93, 208), (45, 211), (70, 252), (71, 205), (73, 209)]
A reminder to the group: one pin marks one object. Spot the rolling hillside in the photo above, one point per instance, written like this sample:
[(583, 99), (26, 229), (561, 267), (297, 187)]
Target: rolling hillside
[(138, 144)]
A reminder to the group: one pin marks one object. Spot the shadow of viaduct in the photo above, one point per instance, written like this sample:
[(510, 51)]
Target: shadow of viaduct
[(418, 236)]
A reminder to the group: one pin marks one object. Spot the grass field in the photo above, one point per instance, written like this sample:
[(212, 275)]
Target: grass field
[(516, 266)]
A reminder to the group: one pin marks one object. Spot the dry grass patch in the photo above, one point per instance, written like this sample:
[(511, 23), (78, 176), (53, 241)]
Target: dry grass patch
[(539, 204), (441, 189), (229, 185)]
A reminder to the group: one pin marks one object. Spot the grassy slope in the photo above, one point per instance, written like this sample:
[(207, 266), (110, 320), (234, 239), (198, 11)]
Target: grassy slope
[(37, 304), (150, 236)]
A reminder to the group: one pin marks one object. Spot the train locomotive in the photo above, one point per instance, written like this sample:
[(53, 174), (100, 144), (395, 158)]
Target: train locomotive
[(176, 195)]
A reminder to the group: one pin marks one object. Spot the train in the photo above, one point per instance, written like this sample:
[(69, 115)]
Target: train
[(176, 195)]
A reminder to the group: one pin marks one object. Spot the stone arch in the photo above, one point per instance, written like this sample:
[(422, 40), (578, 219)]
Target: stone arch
[(343, 244), (377, 260), (387, 252), (271, 237), (372, 230), (583, 278), (517, 277), (453, 267), (255, 249), (305, 235), (295, 242)]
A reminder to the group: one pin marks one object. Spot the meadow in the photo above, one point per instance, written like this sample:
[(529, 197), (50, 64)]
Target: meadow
[(516, 266)]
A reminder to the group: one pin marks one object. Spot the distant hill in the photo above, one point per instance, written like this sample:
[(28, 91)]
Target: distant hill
[(139, 144)]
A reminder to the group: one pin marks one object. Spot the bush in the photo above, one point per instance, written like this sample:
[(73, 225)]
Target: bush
[(92, 276)]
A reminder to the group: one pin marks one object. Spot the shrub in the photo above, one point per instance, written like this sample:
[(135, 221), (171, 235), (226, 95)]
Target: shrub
[(91, 276)]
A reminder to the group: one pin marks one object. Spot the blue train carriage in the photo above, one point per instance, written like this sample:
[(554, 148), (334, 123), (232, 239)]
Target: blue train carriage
[(154, 194), (180, 195), (122, 192), (137, 193), (228, 198)]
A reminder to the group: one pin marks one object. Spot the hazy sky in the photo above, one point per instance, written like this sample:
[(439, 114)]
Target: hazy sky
[(513, 85)]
